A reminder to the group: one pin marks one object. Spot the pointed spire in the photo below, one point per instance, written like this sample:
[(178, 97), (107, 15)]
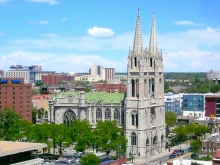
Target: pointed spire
[(153, 37), (137, 46)]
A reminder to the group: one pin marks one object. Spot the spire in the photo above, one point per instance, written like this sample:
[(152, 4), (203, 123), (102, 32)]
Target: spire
[(137, 46), (153, 37)]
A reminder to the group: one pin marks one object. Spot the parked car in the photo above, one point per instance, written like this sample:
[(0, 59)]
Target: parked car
[(172, 156), (194, 156), (180, 152), (175, 151)]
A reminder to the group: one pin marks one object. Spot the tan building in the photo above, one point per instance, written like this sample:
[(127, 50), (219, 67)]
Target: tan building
[(41, 101), (20, 153), (16, 95)]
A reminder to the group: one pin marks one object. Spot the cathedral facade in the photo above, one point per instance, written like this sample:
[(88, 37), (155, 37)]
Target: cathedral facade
[(141, 113), (144, 105)]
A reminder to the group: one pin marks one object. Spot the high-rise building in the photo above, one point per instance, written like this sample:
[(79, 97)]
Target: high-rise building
[(16, 95), (145, 114), (109, 73), (30, 74)]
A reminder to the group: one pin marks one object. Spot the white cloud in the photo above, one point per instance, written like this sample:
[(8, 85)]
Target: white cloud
[(64, 19), (49, 61), (100, 31), (187, 23), (191, 50), (51, 2), (42, 22)]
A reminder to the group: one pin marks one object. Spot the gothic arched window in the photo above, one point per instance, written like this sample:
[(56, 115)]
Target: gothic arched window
[(132, 119), (133, 139), (68, 117), (135, 62), (116, 115), (98, 114), (107, 114)]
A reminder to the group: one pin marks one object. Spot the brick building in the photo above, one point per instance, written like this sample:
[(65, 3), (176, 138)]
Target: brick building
[(51, 79), (121, 87), (210, 144), (16, 95)]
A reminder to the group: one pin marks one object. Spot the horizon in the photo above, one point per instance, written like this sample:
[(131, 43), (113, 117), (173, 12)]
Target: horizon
[(70, 36)]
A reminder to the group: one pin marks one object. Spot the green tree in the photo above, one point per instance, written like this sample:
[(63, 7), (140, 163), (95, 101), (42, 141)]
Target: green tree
[(180, 132), (195, 144), (34, 114), (200, 130), (19, 131), (90, 159), (170, 118), (8, 118), (190, 129), (108, 135), (87, 89), (60, 136), (81, 134), (39, 84)]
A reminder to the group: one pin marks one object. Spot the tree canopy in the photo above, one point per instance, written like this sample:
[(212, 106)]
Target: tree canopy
[(90, 159), (170, 118)]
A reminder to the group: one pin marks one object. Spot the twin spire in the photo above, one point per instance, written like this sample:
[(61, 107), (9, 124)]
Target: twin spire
[(138, 42)]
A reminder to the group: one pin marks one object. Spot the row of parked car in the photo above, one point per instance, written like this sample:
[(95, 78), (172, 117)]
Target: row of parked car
[(176, 153)]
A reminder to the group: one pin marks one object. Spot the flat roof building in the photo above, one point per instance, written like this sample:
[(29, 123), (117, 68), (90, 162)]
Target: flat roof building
[(15, 153)]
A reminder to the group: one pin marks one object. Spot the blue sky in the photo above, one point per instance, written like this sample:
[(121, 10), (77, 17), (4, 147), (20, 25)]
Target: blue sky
[(71, 35)]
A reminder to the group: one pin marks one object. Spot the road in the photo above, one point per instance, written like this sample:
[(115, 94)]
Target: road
[(163, 159)]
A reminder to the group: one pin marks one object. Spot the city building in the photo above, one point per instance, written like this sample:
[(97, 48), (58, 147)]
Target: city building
[(20, 153), (214, 76), (144, 112), (51, 79), (193, 105), (30, 74), (110, 87), (210, 144), (16, 95), (102, 73), (108, 73), (90, 78), (65, 107), (173, 102), (140, 111), (2, 73), (212, 102), (95, 70), (41, 101)]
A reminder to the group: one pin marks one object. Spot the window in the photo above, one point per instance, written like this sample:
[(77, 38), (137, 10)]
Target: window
[(132, 119), (133, 139), (151, 62), (107, 114), (98, 115), (68, 117), (116, 115)]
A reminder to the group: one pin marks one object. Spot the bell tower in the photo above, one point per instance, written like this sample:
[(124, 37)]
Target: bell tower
[(145, 115)]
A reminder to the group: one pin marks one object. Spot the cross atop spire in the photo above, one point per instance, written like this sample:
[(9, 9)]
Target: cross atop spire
[(137, 46), (153, 37)]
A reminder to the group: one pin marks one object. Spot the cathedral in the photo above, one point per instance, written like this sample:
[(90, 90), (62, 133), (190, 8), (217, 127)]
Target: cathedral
[(140, 112)]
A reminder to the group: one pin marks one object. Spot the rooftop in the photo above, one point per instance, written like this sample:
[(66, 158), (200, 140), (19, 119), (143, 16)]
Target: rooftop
[(9, 147), (96, 96)]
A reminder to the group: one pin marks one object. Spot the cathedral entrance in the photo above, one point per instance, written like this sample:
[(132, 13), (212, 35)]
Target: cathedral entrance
[(68, 117)]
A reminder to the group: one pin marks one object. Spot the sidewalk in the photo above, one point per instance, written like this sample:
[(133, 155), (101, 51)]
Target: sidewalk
[(143, 160)]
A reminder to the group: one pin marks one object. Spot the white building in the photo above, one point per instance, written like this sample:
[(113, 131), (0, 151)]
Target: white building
[(31, 74), (145, 114)]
